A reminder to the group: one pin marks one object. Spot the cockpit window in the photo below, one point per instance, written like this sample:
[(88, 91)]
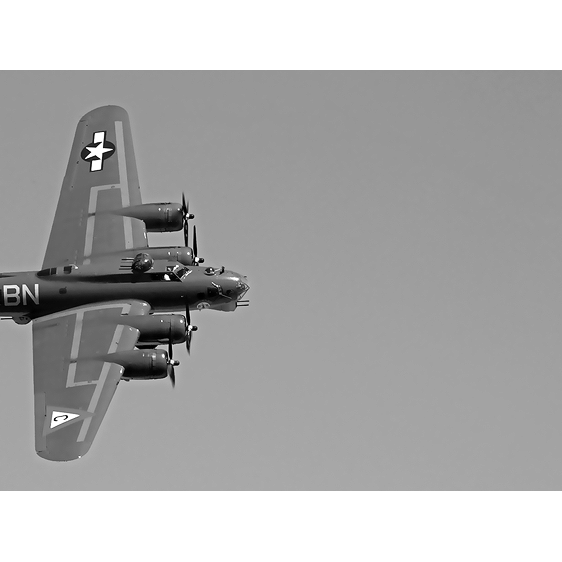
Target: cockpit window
[(182, 272), (176, 273)]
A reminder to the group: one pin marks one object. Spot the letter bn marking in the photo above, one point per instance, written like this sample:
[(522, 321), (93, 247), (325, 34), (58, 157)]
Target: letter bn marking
[(13, 295)]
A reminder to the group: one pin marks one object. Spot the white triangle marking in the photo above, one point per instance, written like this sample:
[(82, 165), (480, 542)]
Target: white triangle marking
[(58, 418)]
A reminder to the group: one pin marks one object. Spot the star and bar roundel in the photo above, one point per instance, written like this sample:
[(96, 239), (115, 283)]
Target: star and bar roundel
[(97, 151)]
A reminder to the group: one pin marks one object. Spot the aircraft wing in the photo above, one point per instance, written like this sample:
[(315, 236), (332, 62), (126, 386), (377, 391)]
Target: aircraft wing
[(73, 375), (101, 177)]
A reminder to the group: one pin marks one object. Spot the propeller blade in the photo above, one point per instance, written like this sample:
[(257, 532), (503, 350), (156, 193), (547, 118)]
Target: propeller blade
[(185, 208), (172, 375), (186, 216), (185, 212), (194, 241), (188, 334), (190, 329), (171, 362), (196, 259), (170, 347)]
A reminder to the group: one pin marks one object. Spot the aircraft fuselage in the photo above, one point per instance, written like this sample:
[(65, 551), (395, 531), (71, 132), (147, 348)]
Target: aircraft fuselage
[(28, 295)]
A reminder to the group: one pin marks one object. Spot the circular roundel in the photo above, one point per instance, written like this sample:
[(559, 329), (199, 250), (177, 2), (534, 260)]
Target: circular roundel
[(97, 151)]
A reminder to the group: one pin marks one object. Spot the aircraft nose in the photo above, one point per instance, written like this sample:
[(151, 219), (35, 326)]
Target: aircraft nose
[(241, 285), (242, 289), (236, 283)]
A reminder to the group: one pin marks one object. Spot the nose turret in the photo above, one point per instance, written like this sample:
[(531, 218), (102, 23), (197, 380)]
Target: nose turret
[(219, 289), (242, 288), (238, 283)]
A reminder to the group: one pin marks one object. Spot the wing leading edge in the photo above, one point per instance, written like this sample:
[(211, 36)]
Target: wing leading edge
[(74, 377)]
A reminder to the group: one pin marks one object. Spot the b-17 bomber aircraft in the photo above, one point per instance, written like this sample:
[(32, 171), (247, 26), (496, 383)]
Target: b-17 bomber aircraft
[(103, 300)]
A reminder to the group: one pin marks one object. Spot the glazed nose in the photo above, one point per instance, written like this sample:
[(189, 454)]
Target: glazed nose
[(242, 288)]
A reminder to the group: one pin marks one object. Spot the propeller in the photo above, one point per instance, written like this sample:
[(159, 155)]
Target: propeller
[(171, 362), (195, 258), (189, 329), (186, 216)]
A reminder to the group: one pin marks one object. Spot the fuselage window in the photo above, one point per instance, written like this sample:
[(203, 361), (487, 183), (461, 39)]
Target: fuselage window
[(48, 271)]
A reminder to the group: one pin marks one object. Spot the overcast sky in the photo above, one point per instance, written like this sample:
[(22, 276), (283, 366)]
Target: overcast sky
[(400, 235)]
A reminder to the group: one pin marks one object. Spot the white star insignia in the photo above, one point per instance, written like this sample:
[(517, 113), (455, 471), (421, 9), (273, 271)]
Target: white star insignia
[(97, 151)]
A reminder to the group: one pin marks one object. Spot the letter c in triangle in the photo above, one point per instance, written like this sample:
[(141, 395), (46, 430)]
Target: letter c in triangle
[(58, 418)]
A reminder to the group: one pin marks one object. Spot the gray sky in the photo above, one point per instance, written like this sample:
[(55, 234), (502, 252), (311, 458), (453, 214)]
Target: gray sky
[(399, 231)]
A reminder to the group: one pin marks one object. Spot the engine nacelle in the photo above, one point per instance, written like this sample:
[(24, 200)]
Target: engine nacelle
[(158, 217), (142, 364), (158, 329)]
